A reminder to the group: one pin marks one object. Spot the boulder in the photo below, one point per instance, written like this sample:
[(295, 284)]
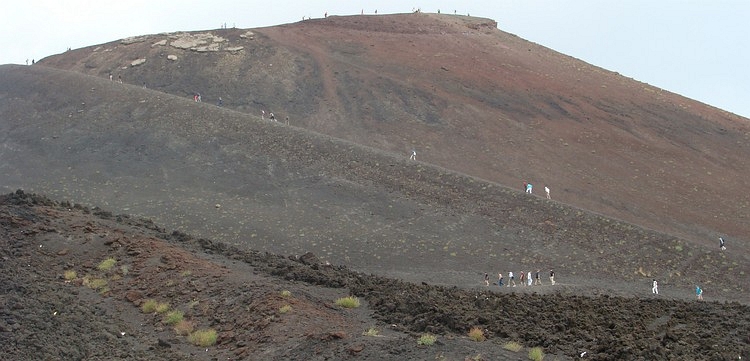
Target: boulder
[(137, 62)]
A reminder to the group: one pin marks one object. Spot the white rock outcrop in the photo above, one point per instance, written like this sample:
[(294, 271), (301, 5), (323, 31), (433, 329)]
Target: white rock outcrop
[(137, 62)]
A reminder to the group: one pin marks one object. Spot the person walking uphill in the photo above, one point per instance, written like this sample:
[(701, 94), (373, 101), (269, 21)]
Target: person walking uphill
[(552, 277), (699, 293), (655, 287), (722, 246), (486, 279)]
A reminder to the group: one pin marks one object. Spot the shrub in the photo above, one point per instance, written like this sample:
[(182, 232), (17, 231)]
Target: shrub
[(536, 354), (162, 307), (476, 334), (512, 346), (124, 269), (173, 317), (203, 338), (183, 328), (426, 340), (286, 294), (348, 302), (107, 264), (95, 283), (372, 331), (70, 275), (149, 306), (284, 309)]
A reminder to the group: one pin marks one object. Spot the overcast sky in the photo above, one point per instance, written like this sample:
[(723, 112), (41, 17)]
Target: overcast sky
[(697, 48)]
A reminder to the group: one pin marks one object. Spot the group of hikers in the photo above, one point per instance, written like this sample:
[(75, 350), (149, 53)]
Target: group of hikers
[(529, 188), (524, 279)]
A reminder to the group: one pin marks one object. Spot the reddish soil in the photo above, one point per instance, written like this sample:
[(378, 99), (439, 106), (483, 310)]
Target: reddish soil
[(239, 294)]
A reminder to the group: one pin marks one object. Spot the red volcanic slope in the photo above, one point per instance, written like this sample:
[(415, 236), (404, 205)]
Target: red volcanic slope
[(474, 99)]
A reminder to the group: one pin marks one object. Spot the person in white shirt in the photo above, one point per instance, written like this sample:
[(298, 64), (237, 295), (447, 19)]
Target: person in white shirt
[(655, 288)]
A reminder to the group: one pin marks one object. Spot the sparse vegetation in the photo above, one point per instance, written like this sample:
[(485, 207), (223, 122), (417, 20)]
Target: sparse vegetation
[(149, 306), (284, 309), (286, 294), (372, 331), (203, 338), (107, 264), (183, 328), (476, 334), (186, 273), (70, 275), (173, 317), (162, 307), (536, 354), (512, 346), (124, 269), (95, 283), (348, 302), (427, 340)]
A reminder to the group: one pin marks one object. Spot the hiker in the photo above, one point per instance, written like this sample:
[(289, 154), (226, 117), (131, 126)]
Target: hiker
[(699, 293), (528, 279), (500, 279), (721, 244), (195, 98), (546, 190), (511, 279), (199, 98), (529, 188), (552, 277), (525, 186), (655, 287), (523, 278), (119, 79), (272, 117), (220, 103), (538, 277), (110, 76), (263, 114), (486, 279), (287, 120), (413, 155)]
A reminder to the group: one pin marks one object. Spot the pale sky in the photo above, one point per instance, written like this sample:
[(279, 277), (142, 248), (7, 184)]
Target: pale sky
[(697, 48)]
